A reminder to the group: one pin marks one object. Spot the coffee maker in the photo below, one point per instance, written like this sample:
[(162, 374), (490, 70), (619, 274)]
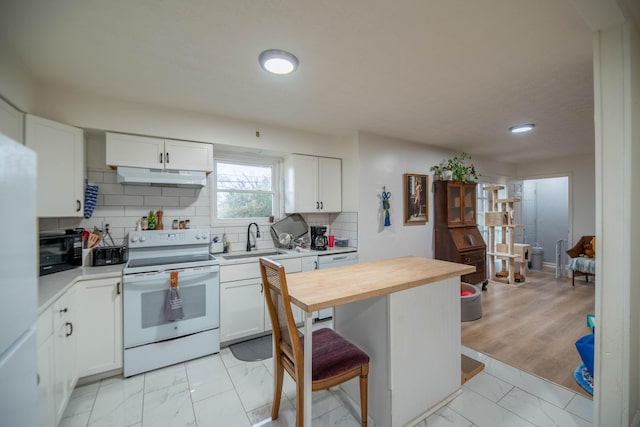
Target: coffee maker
[(318, 238)]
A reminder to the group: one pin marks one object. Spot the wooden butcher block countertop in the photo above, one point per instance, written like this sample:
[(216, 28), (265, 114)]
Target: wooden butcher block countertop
[(318, 289)]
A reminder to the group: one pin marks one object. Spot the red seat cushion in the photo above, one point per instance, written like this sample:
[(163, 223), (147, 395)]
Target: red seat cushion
[(333, 354)]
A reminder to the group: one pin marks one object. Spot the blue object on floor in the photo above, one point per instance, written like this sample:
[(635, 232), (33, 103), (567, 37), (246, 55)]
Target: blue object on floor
[(585, 347), (584, 378)]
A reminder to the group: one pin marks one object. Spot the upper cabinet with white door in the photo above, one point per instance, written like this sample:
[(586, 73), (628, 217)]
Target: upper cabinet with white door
[(158, 153), (60, 150), (312, 184)]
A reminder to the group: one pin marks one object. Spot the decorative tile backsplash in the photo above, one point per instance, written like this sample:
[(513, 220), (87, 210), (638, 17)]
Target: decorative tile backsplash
[(120, 206)]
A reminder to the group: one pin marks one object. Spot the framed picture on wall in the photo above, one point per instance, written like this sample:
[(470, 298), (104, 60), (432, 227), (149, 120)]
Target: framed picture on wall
[(416, 204)]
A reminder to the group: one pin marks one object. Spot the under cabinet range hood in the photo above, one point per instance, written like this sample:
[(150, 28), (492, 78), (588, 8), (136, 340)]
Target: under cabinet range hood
[(143, 176)]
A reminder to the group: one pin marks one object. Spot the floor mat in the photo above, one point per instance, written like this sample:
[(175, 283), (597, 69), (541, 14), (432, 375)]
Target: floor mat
[(253, 350)]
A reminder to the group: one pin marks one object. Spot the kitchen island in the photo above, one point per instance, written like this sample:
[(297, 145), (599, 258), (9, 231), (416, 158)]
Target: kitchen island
[(405, 313)]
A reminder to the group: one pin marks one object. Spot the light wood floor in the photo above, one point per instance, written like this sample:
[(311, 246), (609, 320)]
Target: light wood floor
[(534, 327)]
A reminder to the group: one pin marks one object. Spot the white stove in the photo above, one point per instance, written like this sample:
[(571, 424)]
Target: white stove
[(150, 340)]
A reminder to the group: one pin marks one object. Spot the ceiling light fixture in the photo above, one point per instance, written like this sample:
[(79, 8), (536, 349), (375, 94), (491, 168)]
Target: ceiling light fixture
[(522, 128), (278, 61)]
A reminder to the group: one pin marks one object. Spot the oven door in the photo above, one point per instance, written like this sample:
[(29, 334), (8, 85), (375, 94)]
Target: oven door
[(145, 296)]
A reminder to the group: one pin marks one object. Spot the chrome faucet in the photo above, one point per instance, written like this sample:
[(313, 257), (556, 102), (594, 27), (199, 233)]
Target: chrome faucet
[(249, 245)]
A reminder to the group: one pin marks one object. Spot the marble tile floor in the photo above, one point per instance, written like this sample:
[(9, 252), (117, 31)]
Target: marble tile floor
[(219, 390)]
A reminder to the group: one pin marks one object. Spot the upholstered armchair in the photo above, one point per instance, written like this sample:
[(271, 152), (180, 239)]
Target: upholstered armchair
[(583, 258)]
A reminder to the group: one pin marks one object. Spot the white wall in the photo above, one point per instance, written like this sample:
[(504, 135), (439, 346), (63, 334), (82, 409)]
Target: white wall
[(582, 202), (15, 84), (88, 111), (382, 162)]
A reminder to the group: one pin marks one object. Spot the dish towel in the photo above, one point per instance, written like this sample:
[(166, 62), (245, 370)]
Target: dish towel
[(173, 306), (90, 197)]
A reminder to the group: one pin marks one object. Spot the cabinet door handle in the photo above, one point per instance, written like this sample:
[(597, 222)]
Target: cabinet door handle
[(167, 156), (64, 310), (161, 157), (321, 205), (70, 328), (316, 263), (317, 205), (79, 205), (261, 288), (118, 288)]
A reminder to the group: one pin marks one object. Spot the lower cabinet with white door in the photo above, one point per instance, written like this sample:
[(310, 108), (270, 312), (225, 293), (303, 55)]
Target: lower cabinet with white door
[(243, 310), (65, 373), (99, 326), (46, 403), (78, 335)]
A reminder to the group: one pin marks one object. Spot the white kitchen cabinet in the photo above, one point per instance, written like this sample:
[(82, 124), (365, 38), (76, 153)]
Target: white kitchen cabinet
[(46, 401), (65, 373), (158, 153), (312, 184), (60, 150), (243, 311), (99, 325)]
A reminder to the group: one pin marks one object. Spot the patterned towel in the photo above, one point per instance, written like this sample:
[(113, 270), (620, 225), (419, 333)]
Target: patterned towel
[(90, 197), (173, 306)]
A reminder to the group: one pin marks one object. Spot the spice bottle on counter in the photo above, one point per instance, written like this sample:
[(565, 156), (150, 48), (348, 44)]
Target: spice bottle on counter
[(145, 223), (175, 225), (152, 220), (159, 225)]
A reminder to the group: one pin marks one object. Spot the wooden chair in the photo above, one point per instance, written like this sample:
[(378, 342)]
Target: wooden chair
[(334, 359)]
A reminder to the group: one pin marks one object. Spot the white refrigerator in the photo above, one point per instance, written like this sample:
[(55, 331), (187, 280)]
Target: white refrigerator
[(18, 285)]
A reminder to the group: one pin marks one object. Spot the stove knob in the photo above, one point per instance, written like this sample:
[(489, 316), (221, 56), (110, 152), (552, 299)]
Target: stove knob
[(142, 238), (134, 238)]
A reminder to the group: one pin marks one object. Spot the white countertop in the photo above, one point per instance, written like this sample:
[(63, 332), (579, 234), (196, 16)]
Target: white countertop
[(52, 286)]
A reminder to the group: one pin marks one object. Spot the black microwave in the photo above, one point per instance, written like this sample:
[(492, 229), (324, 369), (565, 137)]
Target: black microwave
[(60, 251)]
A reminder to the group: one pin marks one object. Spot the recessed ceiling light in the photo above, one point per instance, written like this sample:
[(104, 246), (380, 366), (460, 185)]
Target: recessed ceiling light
[(522, 128), (278, 61)]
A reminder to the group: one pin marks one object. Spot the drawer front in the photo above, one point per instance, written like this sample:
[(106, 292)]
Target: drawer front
[(472, 257), (251, 270)]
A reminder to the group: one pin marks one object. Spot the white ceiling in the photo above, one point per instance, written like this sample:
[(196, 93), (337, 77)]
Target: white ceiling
[(452, 73)]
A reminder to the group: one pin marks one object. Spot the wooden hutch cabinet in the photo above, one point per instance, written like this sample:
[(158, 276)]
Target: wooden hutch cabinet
[(457, 238)]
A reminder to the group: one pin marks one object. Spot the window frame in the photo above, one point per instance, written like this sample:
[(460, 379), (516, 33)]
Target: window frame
[(246, 160)]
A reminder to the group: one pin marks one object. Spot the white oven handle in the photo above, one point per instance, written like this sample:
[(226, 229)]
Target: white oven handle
[(187, 272)]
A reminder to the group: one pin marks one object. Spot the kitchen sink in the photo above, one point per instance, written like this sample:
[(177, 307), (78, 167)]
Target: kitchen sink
[(252, 255)]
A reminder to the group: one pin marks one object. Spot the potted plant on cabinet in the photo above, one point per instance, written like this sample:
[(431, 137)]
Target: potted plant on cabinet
[(454, 169)]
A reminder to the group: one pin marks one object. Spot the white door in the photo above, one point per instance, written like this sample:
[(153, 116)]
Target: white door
[(145, 296), (330, 184), (241, 309), (60, 150), (134, 151), (185, 155), (301, 184), (99, 325)]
